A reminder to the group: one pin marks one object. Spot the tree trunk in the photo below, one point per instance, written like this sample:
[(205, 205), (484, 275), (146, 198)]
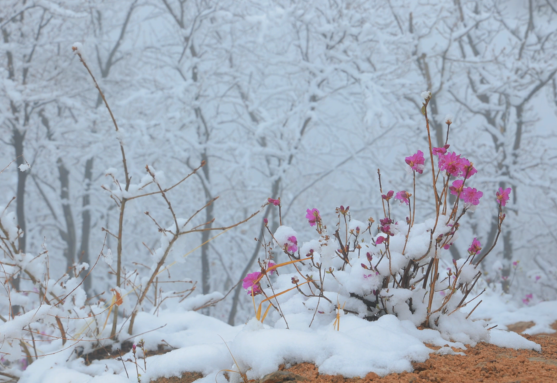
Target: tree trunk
[(86, 222), (205, 235), (69, 235)]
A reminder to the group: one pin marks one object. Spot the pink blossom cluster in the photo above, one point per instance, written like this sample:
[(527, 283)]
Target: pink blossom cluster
[(475, 248), (455, 165), (275, 202), (468, 195), (251, 281), (313, 216), (292, 244), (403, 196), (528, 298), (386, 226), (416, 162), (503, 196)]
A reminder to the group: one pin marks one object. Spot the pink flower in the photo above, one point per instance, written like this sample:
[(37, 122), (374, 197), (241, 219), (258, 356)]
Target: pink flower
[(525, 301), (476, 247), (386, 229), (503, 196), (515, 263), (467, 168), (249, 283), (265, 221), (450, 162), (447, 246), (456, 188), (292, 244), (379, 240), (386, 221), (275, 202), (269, 265), (440, 151), (529, 296), (388, 196), (313, 216), (416, 162), (471, 196), (402, 196), (537, 278)]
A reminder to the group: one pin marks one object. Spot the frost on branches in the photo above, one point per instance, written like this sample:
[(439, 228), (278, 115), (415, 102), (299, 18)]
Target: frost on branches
[(387, 265)]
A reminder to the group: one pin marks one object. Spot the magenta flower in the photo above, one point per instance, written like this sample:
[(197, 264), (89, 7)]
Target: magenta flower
[(292, 244), (275, 202), (386, 221), (471, 196), (269, 265), (386, 229), (416, 162), (476, 247), (467, 168), (450, 162), (537, 278), (313, 216), (265, 221), (525, 301), (440, 151), (515, 263), (250, 285), (388, 196), (380, 240), (402, 196), (447, 246), (456, 188), (529, 296), (503, 196)]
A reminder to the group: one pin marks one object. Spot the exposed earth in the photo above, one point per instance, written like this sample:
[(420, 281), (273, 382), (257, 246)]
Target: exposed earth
[(482, 363)]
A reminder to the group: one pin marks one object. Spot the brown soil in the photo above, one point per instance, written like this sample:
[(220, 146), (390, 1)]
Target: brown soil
[(482, 363)]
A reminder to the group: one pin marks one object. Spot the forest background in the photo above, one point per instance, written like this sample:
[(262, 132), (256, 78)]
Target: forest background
[(302, 100)]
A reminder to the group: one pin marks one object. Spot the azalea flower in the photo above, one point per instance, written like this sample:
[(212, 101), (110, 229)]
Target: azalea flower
[(450, 162), (475, 247), (313, 216), (440, 151), (388, 196), (275, 202), (402, 196), (292, 244), (467, 168), (471, 196), (456, 188), (250, 285), (503, 196), (416, 162), (385, 221), (269, 265)]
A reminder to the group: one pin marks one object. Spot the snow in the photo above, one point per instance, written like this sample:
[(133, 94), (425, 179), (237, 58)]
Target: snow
[(207, 345), (24, 167)]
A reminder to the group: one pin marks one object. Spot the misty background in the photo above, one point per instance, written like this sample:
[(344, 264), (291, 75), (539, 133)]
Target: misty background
[(302, 100)]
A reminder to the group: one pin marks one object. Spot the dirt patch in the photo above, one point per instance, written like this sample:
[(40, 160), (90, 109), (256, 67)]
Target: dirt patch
[(482, 363), (187, 377)]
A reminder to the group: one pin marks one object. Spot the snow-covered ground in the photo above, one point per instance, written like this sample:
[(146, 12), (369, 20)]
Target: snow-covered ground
[(207, 345)]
